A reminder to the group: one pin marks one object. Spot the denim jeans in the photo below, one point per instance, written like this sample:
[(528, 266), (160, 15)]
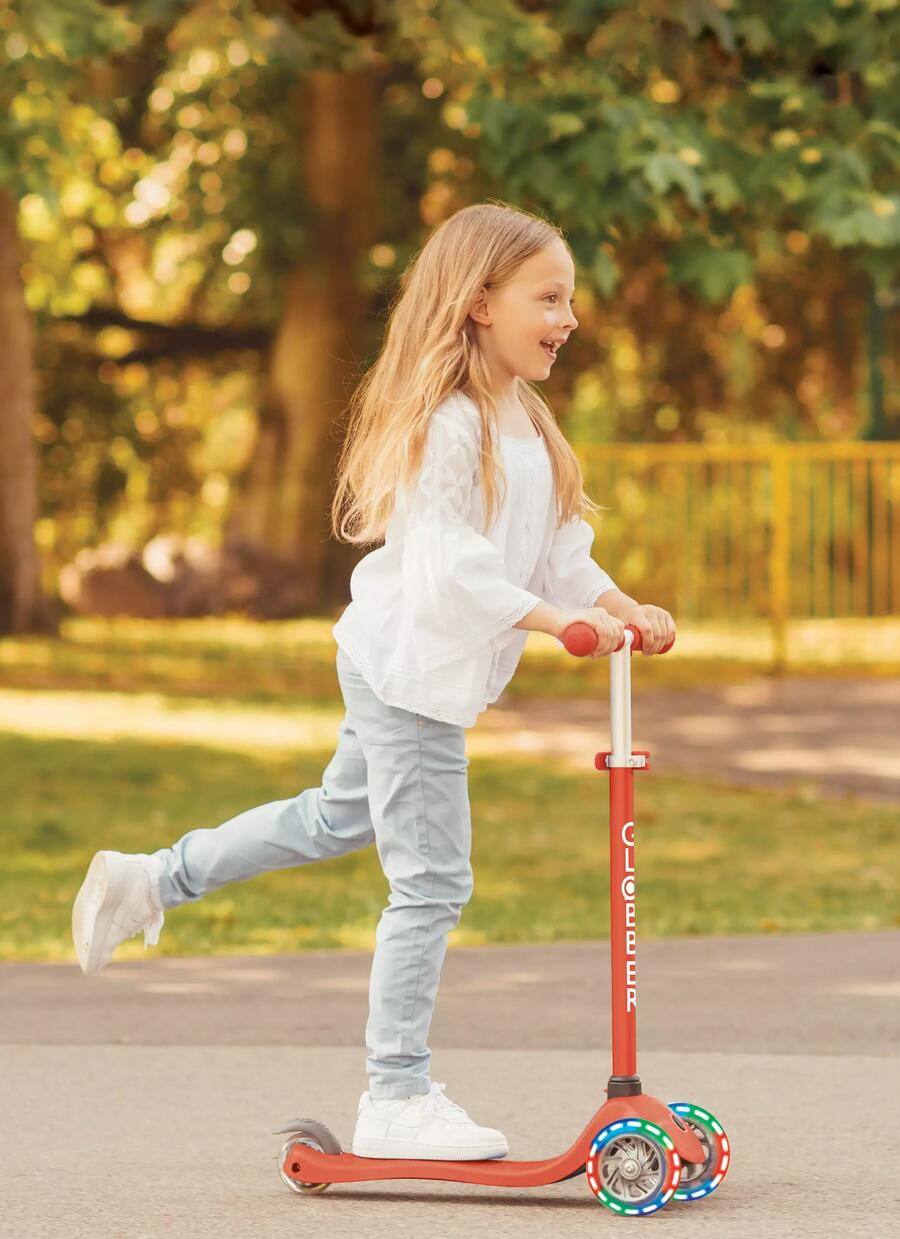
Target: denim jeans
[(398, 780)]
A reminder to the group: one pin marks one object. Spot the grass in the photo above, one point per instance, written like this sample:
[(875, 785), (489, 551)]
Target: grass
[(289, 660), (125, 734), (711, 859)]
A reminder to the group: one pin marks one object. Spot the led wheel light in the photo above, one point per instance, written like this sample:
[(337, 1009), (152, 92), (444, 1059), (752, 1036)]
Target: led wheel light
[(633, 1167), (698, 1181)]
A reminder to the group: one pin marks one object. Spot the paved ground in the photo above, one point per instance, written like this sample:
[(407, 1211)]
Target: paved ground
[(140, 1103), (838, 736)]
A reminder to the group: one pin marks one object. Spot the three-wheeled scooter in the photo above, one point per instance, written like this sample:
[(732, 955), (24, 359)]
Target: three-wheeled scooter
[(637, 1152)]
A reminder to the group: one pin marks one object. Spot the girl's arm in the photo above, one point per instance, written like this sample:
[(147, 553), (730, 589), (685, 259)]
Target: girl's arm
[(616, 603), (656, 626), (457, 598), (574, 580)]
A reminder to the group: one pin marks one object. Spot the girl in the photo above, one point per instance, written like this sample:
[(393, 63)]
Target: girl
[(437, 622)]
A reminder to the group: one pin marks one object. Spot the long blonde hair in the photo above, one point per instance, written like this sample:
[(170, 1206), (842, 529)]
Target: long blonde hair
[(430, 349)]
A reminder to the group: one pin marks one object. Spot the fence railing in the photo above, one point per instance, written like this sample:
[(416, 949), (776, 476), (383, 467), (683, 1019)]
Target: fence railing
[(781, 531)]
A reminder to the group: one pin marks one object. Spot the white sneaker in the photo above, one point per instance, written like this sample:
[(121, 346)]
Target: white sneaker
[(118, 898), (427, 1125)]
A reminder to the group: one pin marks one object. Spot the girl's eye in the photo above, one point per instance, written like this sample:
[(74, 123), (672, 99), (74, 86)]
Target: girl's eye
[(571, 300)]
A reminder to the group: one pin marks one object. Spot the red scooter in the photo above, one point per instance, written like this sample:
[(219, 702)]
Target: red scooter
[(637, 1152)]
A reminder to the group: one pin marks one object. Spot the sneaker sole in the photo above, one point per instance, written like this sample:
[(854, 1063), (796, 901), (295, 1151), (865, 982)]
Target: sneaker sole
[(92, 913), (404, 1149)]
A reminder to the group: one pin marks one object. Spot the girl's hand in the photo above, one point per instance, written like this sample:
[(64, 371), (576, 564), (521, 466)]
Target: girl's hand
[(610, 630), (656, 626)]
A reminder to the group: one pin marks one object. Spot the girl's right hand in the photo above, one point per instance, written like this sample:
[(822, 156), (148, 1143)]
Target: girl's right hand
[(610, 631)]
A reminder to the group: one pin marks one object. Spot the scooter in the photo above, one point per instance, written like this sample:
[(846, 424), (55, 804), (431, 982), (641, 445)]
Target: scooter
[(636, 1152)]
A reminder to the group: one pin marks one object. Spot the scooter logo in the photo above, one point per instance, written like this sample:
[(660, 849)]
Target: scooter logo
[(630, 929)]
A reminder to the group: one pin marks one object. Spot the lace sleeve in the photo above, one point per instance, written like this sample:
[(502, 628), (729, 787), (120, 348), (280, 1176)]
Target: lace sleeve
[(457, 596), (572, 579)]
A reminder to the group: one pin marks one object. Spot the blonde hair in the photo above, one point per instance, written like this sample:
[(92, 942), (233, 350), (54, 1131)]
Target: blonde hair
[(430, 349)]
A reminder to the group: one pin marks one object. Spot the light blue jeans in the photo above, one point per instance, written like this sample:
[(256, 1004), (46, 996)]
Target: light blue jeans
[(398, 780)]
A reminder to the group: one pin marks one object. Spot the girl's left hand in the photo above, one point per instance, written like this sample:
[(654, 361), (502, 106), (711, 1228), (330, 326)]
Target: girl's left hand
[(656, 626)]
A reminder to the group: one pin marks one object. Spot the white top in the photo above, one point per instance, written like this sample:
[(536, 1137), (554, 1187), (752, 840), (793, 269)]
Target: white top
[(430, 624)]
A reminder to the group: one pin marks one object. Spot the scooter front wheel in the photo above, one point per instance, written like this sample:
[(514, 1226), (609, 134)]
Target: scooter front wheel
[(633, 1167), (699, 1179)]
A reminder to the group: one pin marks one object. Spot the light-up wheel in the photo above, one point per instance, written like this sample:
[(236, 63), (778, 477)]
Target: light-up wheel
[(700, 1178), (633, 1167)]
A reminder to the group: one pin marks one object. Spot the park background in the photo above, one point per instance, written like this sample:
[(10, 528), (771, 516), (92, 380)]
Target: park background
[(204, 212)]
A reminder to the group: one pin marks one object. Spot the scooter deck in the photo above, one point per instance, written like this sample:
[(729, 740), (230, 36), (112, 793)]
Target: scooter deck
[(308, 1165)]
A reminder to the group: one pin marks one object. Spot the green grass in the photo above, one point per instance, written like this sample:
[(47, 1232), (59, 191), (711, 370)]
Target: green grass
[(710, 859), (126, 733), (287, 660)]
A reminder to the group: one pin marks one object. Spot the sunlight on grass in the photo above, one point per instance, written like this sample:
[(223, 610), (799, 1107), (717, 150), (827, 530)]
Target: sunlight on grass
[(688, 851), (114, 716), (225, 631), (712, 859), (294, 660), (125, 734)]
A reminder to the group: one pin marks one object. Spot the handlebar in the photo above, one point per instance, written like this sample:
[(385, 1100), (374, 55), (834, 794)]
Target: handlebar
[(581, 639)]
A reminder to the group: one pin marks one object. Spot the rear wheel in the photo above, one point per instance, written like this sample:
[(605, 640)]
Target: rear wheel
[(314, 1135)]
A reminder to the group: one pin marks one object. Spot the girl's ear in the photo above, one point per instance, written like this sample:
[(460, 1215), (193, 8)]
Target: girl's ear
[(479, 309)]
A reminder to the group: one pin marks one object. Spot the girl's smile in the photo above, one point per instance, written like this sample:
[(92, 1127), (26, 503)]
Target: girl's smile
[(539, 297)]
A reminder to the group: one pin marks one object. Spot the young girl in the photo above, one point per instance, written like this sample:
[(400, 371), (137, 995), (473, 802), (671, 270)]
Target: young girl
[(437, 622)]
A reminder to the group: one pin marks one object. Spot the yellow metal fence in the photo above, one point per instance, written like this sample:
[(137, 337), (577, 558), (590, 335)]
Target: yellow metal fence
[(784, 532)]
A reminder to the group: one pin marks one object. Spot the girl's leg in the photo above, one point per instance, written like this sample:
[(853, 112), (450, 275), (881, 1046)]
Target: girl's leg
[(418, 799), (317, 823)]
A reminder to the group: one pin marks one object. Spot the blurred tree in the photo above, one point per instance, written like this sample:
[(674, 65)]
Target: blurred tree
[(711, 126), (691, 149), (23, 605), (200, 185), (132, 63), (38, 64)]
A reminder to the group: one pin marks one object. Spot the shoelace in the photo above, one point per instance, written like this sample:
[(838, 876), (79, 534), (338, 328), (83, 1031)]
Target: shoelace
[(436, 1101), (152, 929)]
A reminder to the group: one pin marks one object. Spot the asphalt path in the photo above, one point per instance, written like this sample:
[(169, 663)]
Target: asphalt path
[(834, 737)]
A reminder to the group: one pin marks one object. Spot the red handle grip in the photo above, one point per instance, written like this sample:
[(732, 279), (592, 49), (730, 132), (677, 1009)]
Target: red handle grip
[(581, 639)]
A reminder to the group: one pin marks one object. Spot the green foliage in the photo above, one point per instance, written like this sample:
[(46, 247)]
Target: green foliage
[(604, 271), (663, 170), (713, 271), (732, 118), (632, 116), (675, 119), (72, 30), (714, 859), (156, 149), (46, 49)]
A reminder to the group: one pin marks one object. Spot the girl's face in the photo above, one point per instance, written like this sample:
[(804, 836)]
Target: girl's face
[(534, 306)]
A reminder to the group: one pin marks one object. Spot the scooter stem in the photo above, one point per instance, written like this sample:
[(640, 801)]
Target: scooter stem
[(620, 701), (621, 764)]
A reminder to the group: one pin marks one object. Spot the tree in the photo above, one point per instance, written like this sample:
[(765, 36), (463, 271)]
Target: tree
[(23, 605), (40, 48), (227, 163)]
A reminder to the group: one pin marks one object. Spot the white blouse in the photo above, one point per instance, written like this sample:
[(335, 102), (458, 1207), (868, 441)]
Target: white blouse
[(431, 623)]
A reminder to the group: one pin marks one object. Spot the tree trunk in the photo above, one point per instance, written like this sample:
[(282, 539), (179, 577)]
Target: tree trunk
[(286, 491), (23, 605)]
